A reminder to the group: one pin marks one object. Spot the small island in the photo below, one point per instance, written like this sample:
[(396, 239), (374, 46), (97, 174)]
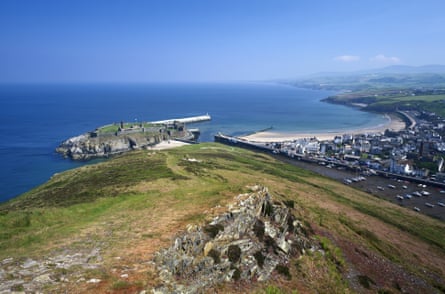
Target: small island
[(121, 137)]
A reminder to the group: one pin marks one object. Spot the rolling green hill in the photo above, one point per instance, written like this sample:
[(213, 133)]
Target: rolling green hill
[(126, 209), (385, 90), (391, 100)]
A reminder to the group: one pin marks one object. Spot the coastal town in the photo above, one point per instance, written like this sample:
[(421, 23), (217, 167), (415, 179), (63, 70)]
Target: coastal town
[(406, 156), (402, 161)]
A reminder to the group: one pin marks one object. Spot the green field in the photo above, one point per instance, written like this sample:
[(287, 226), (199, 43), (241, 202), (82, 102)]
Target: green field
[(387, 101), (384, 92)]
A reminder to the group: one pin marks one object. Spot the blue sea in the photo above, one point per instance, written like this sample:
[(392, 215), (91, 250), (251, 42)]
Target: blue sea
[(35, 119)]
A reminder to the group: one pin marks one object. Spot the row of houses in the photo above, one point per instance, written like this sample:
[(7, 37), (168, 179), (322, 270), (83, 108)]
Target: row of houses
[(416, 152)]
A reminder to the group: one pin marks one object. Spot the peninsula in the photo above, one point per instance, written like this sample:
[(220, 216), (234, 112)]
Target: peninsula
[(121, 137)]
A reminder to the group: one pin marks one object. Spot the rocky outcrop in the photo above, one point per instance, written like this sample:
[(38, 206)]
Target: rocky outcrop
[(85, 147), (35, 275), (252, 239), (249, 241)]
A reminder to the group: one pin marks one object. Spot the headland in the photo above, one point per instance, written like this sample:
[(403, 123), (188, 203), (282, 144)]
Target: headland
[(122, 137)]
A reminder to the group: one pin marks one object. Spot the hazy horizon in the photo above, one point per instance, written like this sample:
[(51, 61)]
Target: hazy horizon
[(207, 41)]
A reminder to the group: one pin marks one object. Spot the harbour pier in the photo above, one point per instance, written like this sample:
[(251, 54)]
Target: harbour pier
[(185, 120)]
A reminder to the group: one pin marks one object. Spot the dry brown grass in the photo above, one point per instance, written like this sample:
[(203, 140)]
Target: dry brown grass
[(154, 211)]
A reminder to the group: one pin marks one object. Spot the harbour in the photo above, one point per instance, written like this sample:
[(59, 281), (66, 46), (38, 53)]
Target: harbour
[(186, 120), (359, 176)]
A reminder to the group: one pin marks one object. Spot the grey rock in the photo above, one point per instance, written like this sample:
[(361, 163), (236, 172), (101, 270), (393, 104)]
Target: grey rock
[(29, 263), (7, 260), (34, 275), (185, 267), (43, 279), (284, 245), (270, 230)]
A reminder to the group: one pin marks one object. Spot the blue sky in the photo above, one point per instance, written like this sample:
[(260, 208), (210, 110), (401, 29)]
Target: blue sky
[(166, 40)]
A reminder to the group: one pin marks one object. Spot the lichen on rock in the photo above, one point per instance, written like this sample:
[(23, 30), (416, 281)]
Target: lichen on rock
[(245, 243)]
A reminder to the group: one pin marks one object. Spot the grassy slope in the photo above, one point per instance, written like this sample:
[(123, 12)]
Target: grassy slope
[(134, 204)]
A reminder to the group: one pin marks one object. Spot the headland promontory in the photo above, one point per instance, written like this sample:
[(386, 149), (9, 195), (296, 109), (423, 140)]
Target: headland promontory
[(121, 137)]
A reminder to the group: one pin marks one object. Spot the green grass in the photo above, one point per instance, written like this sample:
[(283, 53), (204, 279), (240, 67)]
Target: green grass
[(29, 230), (127, 198), (321, 273), (113, 128), (332, 252), (107, 179), (88, 189), (273, 290), (108, 129)]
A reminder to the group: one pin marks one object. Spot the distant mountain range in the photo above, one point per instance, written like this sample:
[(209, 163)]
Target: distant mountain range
[(399, 76), (406, 69), (393, 69)]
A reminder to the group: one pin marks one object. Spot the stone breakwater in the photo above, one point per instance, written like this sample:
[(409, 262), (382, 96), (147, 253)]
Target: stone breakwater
[(252, 239)]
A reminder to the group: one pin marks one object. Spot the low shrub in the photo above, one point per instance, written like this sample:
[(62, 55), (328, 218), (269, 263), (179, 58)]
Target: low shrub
[(215, 254), (234, 253), (236, 274), (283, 270), (259, 258), (365, 281), (213, 230), (289, 203), (119, 285)]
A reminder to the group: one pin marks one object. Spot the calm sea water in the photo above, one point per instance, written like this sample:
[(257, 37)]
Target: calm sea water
[(34, 119)]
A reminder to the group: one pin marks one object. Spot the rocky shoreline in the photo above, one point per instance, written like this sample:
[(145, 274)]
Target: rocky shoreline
[(116, 139)]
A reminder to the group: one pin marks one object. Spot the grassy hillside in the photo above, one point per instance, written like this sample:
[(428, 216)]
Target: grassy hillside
[(390, 100), (384, 91), (133, 205)]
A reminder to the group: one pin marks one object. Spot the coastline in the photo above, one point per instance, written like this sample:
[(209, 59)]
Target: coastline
[(395, 123)]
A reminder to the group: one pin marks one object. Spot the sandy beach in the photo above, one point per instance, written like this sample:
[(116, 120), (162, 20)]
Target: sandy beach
[(394, 123), (168, 145)]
